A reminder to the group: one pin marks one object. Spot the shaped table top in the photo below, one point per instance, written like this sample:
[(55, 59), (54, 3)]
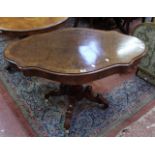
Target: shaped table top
[(24, 24), (80, 53)]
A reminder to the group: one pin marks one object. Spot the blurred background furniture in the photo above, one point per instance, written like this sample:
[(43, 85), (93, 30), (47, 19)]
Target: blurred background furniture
[(146, 69), (108, 23), (147, 19)]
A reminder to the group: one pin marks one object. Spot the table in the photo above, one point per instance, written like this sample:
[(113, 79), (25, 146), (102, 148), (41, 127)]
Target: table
[(74, 57), (30, 25)]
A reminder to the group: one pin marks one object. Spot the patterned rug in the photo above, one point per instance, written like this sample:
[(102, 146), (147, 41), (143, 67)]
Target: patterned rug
[(47, 118)]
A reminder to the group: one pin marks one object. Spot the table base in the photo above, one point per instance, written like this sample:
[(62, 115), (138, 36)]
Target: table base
[(76, 93)]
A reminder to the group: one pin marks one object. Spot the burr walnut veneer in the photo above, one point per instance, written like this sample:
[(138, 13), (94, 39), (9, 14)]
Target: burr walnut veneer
[(73, 57), (30, 25)]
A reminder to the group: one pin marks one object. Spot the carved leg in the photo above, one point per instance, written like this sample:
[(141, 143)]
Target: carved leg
[(69, 112), (61, 91), (53, 93), (88, 93)]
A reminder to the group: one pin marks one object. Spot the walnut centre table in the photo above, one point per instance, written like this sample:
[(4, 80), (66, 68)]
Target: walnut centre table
[(74, 57)]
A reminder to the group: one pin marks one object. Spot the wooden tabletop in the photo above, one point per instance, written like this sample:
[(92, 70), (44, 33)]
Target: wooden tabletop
[(75, 55), (24, 24)]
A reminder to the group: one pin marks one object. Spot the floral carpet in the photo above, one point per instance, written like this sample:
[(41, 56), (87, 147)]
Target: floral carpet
[(47, 117)]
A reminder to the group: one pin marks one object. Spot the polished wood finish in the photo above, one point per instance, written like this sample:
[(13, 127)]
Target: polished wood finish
[(19, 24), (75, 55), (25, 26)]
